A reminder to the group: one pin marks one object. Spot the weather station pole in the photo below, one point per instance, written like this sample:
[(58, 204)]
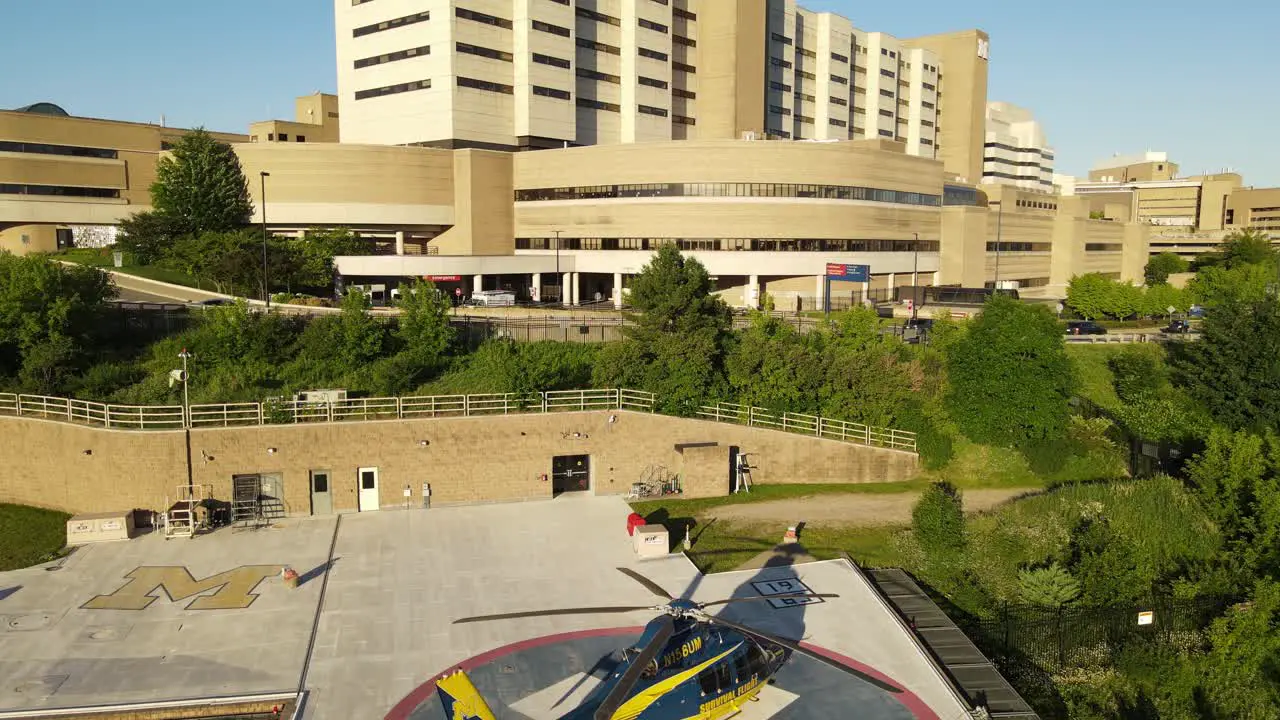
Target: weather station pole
[(186, 417), (266, 292)]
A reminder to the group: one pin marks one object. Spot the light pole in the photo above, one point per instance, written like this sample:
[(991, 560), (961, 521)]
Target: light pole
[(559, 277), (999, 227), (186, 416), (915, 277), (266, 291)]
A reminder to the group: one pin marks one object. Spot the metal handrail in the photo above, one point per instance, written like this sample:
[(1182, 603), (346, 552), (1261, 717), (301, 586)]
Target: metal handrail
[(207, 415)]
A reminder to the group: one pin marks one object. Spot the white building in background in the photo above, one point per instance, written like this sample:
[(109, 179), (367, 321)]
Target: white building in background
[(1016, 151)]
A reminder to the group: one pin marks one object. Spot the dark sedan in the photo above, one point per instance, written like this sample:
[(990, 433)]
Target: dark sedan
[(1085, 327)]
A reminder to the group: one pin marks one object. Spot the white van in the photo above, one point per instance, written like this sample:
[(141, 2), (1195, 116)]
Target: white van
[(493, 298)]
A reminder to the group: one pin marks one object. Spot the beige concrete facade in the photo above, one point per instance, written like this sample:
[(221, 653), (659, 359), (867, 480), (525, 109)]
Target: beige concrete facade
[(1255, 209), (315, 120), (464, 460), (75, 177), (963, 57)]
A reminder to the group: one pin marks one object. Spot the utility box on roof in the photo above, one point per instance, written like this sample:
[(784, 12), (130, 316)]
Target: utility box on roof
[(651, 541), (100, 527)]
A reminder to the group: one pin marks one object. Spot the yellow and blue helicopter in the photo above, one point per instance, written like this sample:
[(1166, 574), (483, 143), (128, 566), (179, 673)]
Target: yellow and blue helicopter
[(686, 665)]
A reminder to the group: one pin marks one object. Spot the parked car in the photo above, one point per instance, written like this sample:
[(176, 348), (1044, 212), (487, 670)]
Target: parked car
[(1196, 311), (217, 301), (1177, 327), (1085, 327), (915, 329)]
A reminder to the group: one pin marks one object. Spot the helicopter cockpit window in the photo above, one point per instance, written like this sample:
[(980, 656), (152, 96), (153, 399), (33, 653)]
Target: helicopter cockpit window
[(715, 679), (751, 662)]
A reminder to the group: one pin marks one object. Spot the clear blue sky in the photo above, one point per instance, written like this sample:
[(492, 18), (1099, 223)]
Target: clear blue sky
[(1194, 79)]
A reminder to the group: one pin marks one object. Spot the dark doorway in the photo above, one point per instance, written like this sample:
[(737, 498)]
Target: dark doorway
[(570, 473)]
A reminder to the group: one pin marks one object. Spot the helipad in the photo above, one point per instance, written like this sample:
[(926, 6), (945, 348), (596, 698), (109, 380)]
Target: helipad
[(150, 620)]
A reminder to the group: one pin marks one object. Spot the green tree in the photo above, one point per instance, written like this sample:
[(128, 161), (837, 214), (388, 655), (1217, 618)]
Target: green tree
[(1241, 671), (148, 236), (1050, 586), (1220, 285), (870, 376), (1090, 295), (1232, 371), (317, 249), (1137, 372), (360, 336), (773, 366), (1227, 476), (937, 521), (1247, 247), (200, 186), (1161, 266), (1010, 378), (424, 322), (1106, 564), (231, 261), (675, 347), (50, 318)]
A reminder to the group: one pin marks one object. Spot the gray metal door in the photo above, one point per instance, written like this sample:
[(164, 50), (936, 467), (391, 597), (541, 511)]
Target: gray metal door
[(321, 495)]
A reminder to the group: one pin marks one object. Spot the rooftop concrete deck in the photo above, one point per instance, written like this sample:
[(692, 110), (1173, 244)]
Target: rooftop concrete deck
[(396, 582)]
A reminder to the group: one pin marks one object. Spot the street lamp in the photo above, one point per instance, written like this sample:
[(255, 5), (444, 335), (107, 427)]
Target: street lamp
[(559, 277), (186, 411), (915, 277), (266, 292)]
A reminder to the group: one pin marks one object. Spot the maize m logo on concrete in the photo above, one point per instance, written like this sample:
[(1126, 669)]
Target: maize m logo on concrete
[(229, 590)]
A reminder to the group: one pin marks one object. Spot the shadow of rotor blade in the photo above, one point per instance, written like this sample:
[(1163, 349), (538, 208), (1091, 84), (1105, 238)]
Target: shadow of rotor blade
[(607, 664), (795, 647)]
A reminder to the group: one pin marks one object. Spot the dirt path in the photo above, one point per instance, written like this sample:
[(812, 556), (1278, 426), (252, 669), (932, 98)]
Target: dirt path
[(852, 508)]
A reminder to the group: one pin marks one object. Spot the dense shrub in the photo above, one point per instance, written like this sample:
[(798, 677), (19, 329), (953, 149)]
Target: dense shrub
[(937, 521)]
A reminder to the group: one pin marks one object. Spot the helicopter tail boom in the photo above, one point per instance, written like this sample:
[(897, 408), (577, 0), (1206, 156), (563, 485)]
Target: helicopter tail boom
[(460, 698)]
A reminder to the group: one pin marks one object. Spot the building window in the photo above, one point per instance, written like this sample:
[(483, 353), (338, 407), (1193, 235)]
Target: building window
[(927, 86), (391, 24), (683, 68), (839, 58), (887, 93), (779, 86), (301, 138), (838, 101), (385, 90), (926, 141), (886, 133), (271, 137), (480, 17), (651, 82), (484, 52), (653, 54), (807, 53), (485, 85), (597, 105), (547, 27), (57, 190), (806, 75), (561, 2), (780, 38), (682, 120), (779, 62), (927, 104), (553, 61), (551, 92), (887, 73), (683, 14), (651, 25), (805, 96), (650, 110), (776, 190), (601, 47), (392, 57), (682, 93), (597, 75), (804, 119), (681, 40), (779, 110), (598, 17), (839, 80), (838, 123), (68, 150)]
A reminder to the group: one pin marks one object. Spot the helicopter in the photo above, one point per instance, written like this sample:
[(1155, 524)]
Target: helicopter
[(686, 665)]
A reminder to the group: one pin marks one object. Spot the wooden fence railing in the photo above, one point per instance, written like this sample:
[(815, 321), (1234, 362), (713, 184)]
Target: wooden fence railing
[(290, 412)]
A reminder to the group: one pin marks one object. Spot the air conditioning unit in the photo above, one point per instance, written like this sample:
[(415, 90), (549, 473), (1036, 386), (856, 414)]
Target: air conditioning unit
[(322, 397)]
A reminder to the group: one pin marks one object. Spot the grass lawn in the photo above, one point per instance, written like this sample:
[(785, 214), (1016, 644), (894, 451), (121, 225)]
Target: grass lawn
[(101, 257), (30, 535), (1096, 378)]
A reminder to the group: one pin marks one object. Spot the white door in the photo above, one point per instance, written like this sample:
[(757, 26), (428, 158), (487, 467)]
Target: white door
[(367, 479)]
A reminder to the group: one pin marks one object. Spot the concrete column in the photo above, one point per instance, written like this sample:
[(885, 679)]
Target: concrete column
[(892, 282), (936, 280), (535, 292), (751, 294), (478, 283), (819, 292), (565, 285), (617, 290), (399, 242), (575, 292)]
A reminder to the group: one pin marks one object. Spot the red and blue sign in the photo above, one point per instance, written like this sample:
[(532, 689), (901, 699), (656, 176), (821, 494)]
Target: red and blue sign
[(848, 273)]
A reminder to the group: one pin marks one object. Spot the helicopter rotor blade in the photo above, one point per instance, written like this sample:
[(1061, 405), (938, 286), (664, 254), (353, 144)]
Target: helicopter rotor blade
[(795, 647), (768, 597), (652, 586), (560, 611), (620, 692)]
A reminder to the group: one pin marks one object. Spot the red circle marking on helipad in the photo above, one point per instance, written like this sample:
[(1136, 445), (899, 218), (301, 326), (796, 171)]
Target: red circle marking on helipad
[(420, 694)]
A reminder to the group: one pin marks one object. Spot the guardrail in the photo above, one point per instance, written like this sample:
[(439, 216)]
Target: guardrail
[(1112, 338), (293, 412), (814, 425)]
